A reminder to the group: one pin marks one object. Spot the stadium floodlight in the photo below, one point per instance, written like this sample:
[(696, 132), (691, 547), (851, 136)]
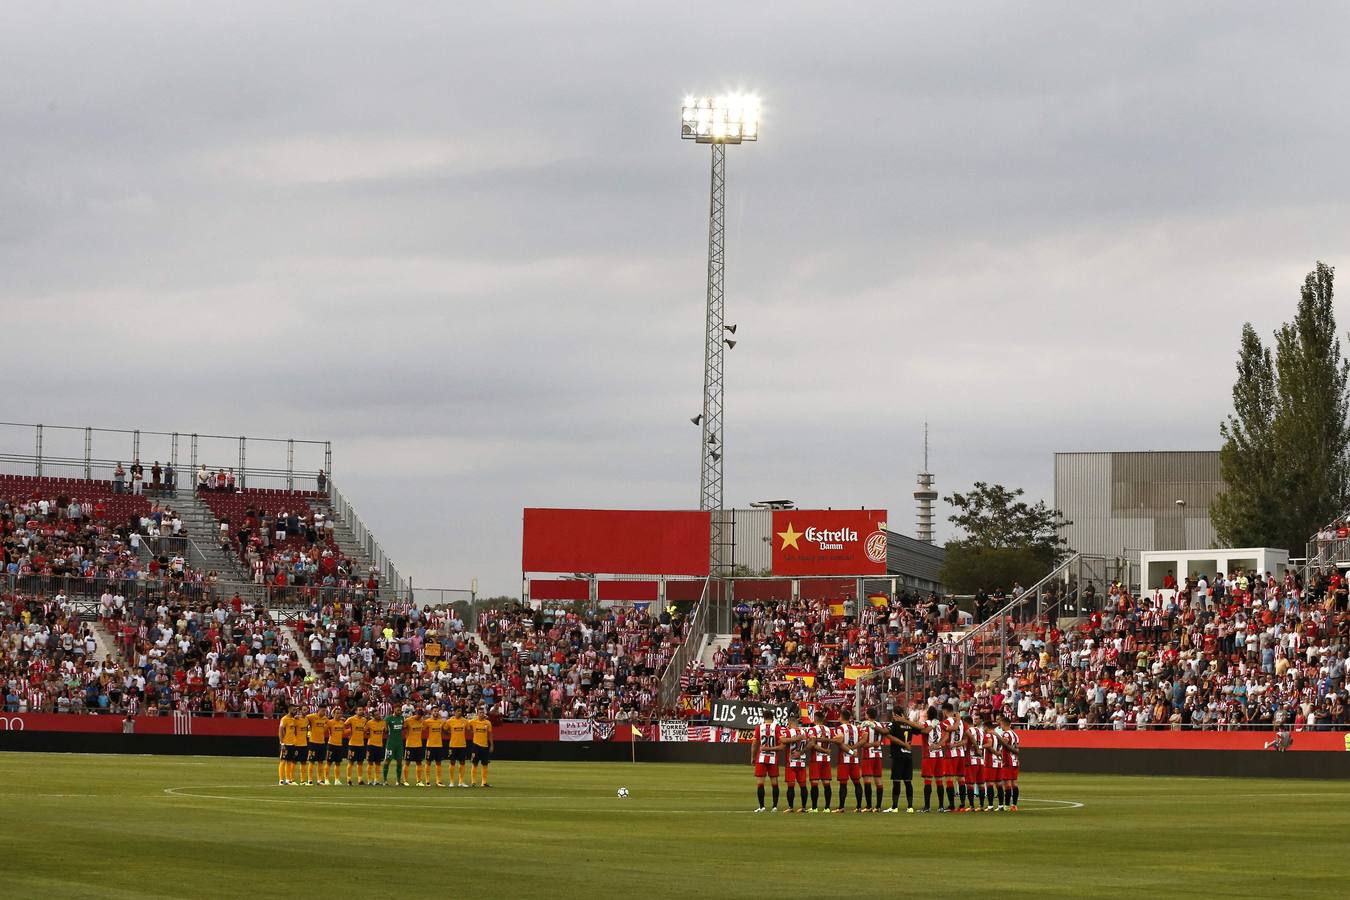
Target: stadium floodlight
[(717, 121), (725, 119)]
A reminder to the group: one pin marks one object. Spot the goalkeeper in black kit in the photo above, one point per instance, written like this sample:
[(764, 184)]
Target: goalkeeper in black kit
[(901, 739)]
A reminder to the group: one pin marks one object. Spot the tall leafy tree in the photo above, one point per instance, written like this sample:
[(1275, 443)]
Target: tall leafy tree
[(1005, 539), (1311, 433), (1247, 513), (1286, 452)]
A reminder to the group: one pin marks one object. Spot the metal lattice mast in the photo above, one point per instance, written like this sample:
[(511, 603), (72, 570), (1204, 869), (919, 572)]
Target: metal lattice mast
[(718, 121), (710, 474)]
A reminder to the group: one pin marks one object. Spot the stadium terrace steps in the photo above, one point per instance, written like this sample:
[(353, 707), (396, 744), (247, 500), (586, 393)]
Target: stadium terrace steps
[(484, 649), (204, 529), (711, 644), (343, 537), (301, 652), (204, 526), (107, 645)]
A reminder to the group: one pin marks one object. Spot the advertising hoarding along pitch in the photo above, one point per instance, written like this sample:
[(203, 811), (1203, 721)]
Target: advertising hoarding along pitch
[(616, 541), (829, 542)]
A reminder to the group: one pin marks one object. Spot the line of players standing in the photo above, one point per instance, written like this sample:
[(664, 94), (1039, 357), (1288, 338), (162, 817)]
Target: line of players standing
[(972, 761), (314, 744)]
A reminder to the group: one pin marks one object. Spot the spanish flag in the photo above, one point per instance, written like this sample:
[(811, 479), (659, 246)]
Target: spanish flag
[(807, 677), (878, 600), (838, 609), (853, 673)]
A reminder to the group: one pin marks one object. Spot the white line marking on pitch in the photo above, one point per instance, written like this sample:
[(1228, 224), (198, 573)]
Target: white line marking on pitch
[(391, 801)]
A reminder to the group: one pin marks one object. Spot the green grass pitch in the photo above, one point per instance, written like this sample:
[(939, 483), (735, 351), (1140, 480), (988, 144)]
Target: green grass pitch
[(135, 826)]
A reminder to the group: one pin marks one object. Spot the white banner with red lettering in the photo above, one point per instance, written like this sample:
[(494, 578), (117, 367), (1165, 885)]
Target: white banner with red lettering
[(575, 730)]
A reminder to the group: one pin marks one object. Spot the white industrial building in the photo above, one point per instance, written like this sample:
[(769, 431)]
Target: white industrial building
[(1123, 503)]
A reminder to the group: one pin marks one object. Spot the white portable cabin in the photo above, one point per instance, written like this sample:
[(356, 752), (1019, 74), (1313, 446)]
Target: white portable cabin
[(1155, 564)]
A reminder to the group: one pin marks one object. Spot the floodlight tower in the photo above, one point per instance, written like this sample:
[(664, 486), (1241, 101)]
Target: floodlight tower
[(719, 121)]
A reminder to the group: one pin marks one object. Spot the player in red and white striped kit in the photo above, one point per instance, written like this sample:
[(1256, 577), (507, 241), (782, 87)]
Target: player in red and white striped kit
[(875, 738), (796, 772), (1011, 746), (993, 773), (975, 763), (934, 759), (954, 766), (820, 743), (764, 747), (850, 739)]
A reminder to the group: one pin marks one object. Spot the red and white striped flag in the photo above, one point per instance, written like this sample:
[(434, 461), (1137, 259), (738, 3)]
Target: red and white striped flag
[(701, 733), (182, 722)]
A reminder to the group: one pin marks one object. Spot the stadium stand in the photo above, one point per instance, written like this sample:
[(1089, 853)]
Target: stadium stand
[(365, 652), (558, 662), (110, 606), (802, 651), (1238, 650)]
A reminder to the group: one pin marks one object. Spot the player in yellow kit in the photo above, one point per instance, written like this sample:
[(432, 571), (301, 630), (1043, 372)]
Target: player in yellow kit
[(481, 731), (286, 736), (376, 732), (337, 733), (414, 729), (318, 750), (355, 726), (435, 723), (457, 731), (300, 748)]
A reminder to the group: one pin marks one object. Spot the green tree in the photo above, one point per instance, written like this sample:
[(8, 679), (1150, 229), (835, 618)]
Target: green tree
[(1288, 479), (1311, 435), (967, 569), (1247, 513), (1004, 539)]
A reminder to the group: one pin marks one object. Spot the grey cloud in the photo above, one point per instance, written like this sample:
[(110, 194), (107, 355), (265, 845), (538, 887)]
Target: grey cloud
[(467, 244)]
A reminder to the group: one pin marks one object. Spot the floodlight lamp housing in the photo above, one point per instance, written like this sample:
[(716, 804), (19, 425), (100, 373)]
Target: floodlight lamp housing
[(725, 119)]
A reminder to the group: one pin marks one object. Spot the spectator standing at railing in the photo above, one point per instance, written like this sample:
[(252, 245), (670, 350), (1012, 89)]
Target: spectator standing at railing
[(137, 477), (170, 480), (156, 478), (203, 478), (119, 477), (321, 480)]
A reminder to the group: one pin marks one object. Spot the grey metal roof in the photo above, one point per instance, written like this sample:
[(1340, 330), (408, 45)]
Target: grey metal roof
[(908, 556)]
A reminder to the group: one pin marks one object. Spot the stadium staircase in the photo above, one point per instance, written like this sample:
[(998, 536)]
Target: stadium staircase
[(104, 640), (484, 649), (983, 650), (301, 651), (203, 527), (203, 530), (711, 644)]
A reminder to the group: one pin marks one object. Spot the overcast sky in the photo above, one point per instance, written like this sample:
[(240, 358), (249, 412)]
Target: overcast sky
[(466, 243)]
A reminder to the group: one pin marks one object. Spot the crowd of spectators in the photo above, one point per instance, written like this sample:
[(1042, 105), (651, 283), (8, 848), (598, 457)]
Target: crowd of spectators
[(163, 479), (48, 658), (69, 530), (282, 541), (1225, 652), (381, 655), (564, 660), (810, 650), (202, 655)]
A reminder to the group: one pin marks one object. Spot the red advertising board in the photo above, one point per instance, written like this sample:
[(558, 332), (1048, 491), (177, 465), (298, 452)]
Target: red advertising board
[(829, 542), (616, 541)]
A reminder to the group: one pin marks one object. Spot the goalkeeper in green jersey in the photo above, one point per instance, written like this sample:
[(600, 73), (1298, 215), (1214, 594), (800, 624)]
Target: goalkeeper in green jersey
[(394, 746)]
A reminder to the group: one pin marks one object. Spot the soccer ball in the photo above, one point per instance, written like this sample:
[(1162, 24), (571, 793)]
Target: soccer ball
[(622, 792)]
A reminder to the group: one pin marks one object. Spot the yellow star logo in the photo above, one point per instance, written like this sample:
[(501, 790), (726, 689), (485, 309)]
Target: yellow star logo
[(789, 538)]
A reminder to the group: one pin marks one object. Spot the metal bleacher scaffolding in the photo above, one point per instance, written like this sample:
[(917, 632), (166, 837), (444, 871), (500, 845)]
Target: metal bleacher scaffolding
[(93, 454)]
